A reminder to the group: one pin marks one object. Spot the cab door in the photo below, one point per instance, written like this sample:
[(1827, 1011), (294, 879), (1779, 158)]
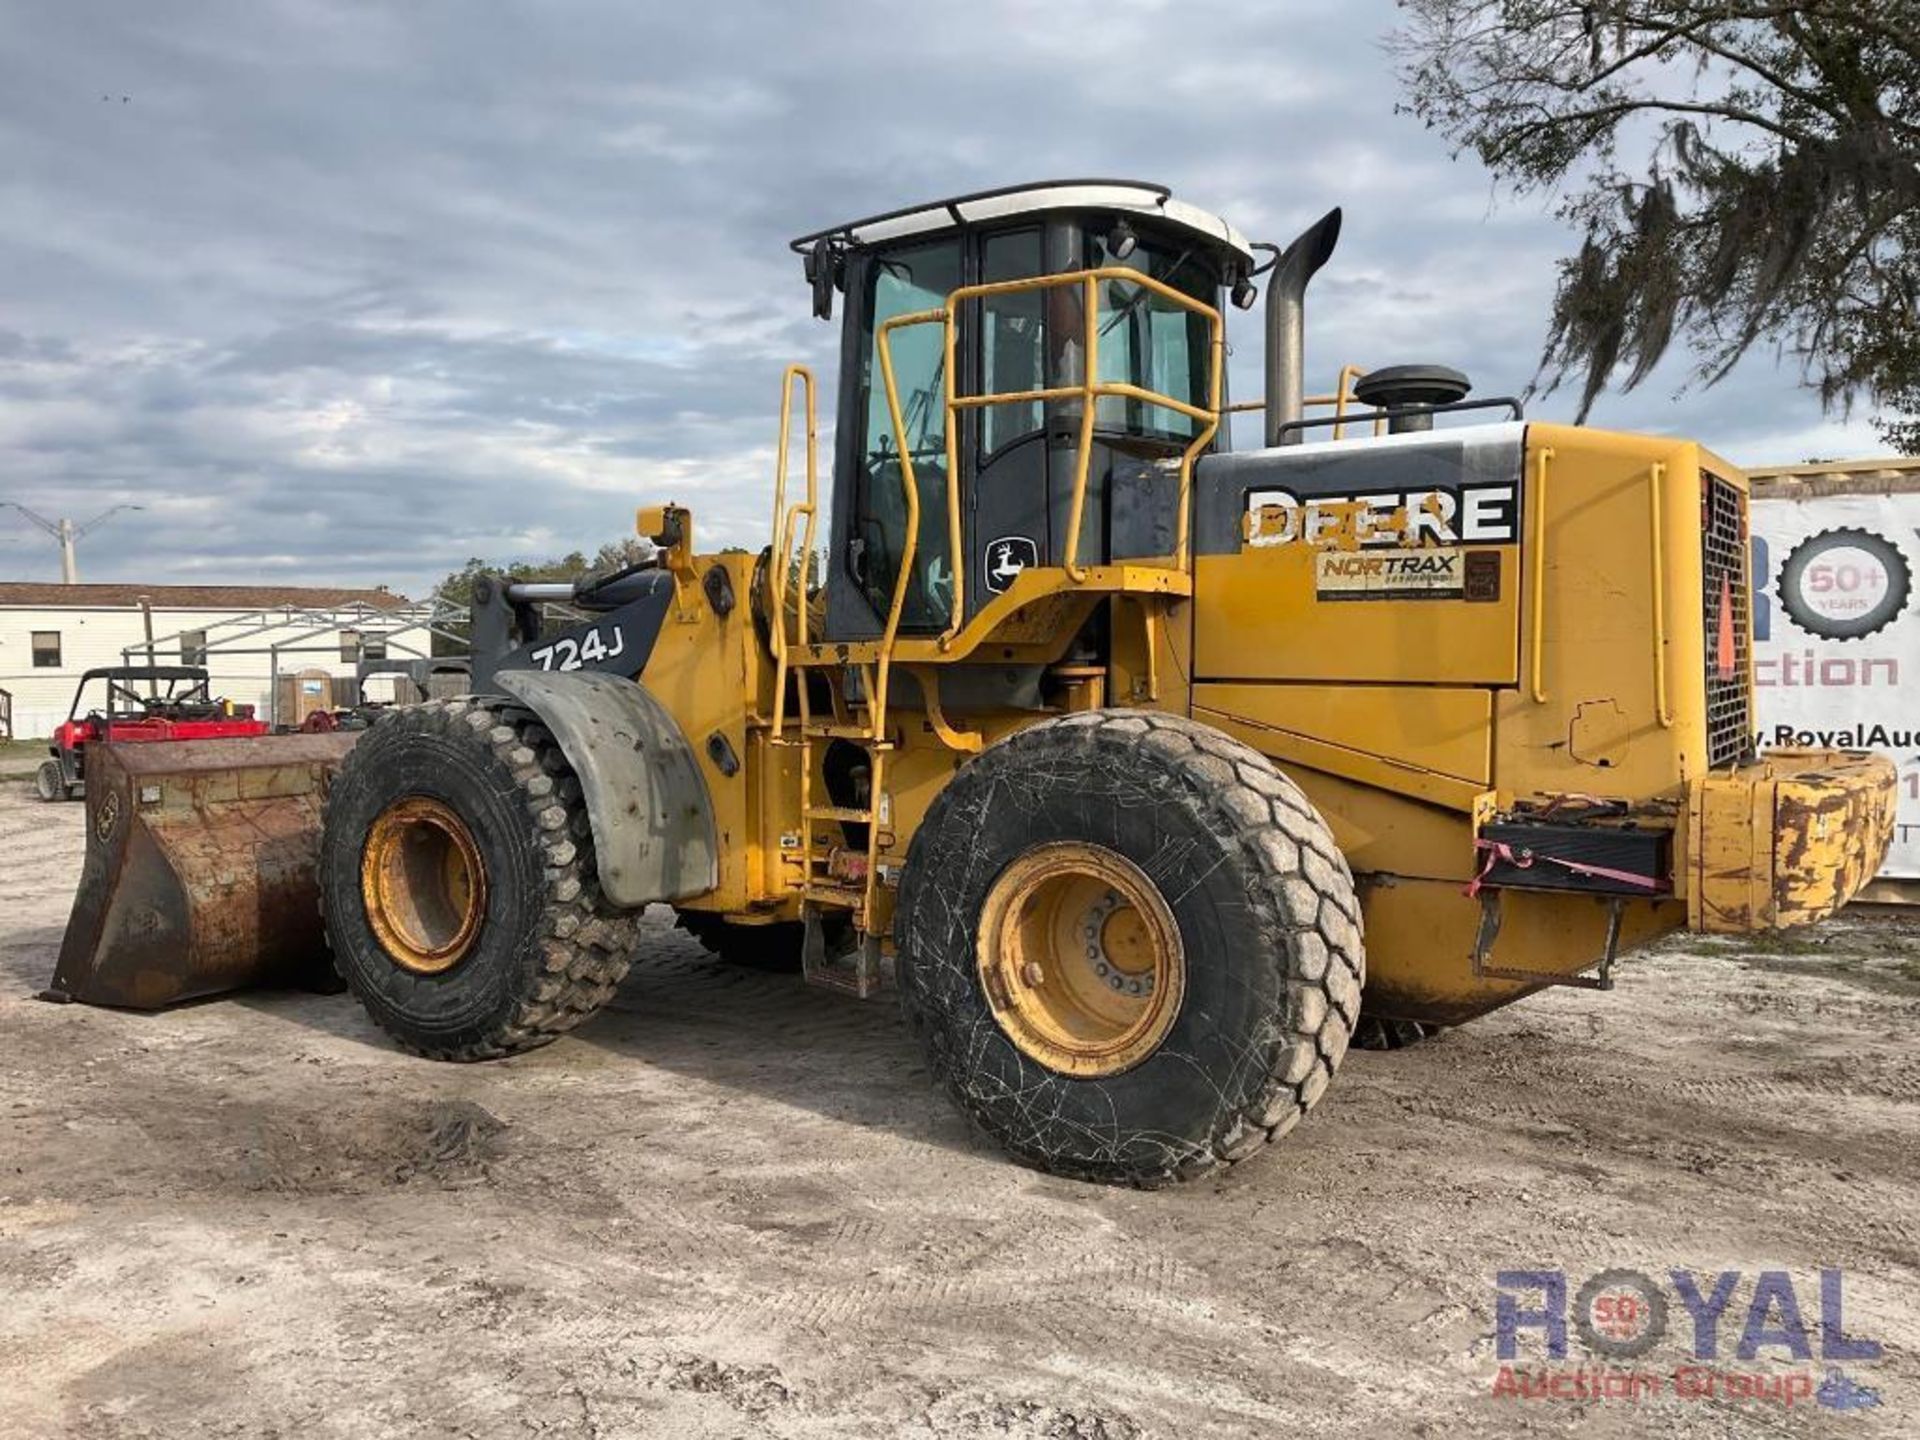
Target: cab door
[(870, 509)]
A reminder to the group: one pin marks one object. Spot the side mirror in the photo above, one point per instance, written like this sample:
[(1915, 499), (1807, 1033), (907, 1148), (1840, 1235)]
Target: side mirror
[(822, 265)]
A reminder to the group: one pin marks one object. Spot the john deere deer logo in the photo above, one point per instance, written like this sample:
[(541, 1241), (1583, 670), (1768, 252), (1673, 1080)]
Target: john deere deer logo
[(1006, 558)]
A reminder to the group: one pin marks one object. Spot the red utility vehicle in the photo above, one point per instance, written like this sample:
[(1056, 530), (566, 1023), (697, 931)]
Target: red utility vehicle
[(143, 703)]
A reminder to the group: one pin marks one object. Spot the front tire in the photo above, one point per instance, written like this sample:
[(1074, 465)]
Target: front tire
[(1207, 901), (458, 883)]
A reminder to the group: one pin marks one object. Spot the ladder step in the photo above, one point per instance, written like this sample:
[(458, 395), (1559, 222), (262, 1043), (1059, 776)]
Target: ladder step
[(842, 732), (840, 812), (841, 897)]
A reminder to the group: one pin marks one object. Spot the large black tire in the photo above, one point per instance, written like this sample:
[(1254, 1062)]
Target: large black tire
[(1265, 909), (550, 949)]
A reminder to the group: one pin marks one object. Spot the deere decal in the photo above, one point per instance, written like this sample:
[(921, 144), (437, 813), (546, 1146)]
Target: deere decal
[(1396, 544)]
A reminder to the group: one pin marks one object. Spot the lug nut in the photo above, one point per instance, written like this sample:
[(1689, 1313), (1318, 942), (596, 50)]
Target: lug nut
[(1032, 973)]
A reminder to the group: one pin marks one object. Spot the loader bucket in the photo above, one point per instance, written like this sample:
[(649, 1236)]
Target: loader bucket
[(200, 870)]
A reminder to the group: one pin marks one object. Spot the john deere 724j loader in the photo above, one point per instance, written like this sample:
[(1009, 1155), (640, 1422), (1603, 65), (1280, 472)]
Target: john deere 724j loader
[(1106, 740)]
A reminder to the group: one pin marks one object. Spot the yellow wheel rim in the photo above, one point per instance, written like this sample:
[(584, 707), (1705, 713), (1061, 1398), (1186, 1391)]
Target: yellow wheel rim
[(1081, 959), (424, 885)]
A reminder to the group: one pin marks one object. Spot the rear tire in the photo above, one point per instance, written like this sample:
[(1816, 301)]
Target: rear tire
[(536, 950), (1249, 916), (48, 783)]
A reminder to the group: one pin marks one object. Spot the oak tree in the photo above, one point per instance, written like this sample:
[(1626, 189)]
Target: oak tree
[(1741, 172)]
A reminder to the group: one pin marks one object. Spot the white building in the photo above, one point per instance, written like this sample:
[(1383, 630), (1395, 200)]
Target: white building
[(244, 635)]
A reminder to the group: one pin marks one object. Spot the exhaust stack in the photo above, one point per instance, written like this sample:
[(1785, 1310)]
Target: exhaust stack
[(1287, 323)]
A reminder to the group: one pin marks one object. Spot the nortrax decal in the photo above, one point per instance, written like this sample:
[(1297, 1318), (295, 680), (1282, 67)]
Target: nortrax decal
[(1351, 575), (1487, 514)]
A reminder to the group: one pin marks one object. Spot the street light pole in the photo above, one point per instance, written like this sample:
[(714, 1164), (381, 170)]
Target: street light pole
[(66, 533)]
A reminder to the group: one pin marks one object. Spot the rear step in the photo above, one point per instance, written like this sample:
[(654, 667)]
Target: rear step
[(856, 972)]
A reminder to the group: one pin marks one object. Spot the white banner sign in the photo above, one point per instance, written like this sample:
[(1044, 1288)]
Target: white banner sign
[(1836, 636)]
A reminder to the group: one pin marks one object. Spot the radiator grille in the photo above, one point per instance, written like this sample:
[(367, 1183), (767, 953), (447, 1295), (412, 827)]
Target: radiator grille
[(1723, 563)]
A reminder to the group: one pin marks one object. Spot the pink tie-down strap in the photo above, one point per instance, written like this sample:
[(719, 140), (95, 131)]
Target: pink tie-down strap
[(1498, 851)]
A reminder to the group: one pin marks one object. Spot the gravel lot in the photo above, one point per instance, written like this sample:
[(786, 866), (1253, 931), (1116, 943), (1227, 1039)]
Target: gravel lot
[(735, 1207)]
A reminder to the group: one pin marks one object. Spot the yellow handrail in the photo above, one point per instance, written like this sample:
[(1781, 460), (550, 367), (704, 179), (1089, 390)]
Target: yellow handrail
[(1083, 449), (881, 679), (910, 493), (1539, 606), (1342, 390), (1657, 539), (956, 550), (781, 560), (1343, 393), (1090, 391)]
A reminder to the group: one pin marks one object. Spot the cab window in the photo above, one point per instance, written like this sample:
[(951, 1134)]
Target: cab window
[(1153, 342), (1012, 339)]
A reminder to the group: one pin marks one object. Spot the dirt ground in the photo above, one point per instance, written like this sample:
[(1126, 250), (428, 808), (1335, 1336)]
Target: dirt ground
[(735, 1207)]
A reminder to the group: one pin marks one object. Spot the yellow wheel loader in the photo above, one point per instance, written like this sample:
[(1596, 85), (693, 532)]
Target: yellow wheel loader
[(1103, 740)]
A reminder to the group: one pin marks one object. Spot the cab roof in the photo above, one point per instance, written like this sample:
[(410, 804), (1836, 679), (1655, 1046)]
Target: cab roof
[(1135, 196)]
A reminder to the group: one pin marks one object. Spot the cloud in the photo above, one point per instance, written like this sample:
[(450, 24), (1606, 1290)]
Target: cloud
[(348, 294)]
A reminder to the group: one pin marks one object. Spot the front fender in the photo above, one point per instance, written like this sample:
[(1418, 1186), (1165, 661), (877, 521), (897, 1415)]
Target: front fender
[(653, 831)]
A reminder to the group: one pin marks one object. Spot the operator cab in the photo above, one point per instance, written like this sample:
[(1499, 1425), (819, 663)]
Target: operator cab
[(1016, 461)]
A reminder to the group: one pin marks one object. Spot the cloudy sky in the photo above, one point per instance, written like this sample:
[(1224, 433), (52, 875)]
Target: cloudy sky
[(346, 293)]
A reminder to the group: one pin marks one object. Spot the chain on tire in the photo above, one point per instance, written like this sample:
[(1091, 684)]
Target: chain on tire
[(1264, 921)]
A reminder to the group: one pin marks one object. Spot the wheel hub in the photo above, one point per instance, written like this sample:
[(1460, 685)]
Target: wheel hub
[(424, 885), (1118, 946), (1081, 959)]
